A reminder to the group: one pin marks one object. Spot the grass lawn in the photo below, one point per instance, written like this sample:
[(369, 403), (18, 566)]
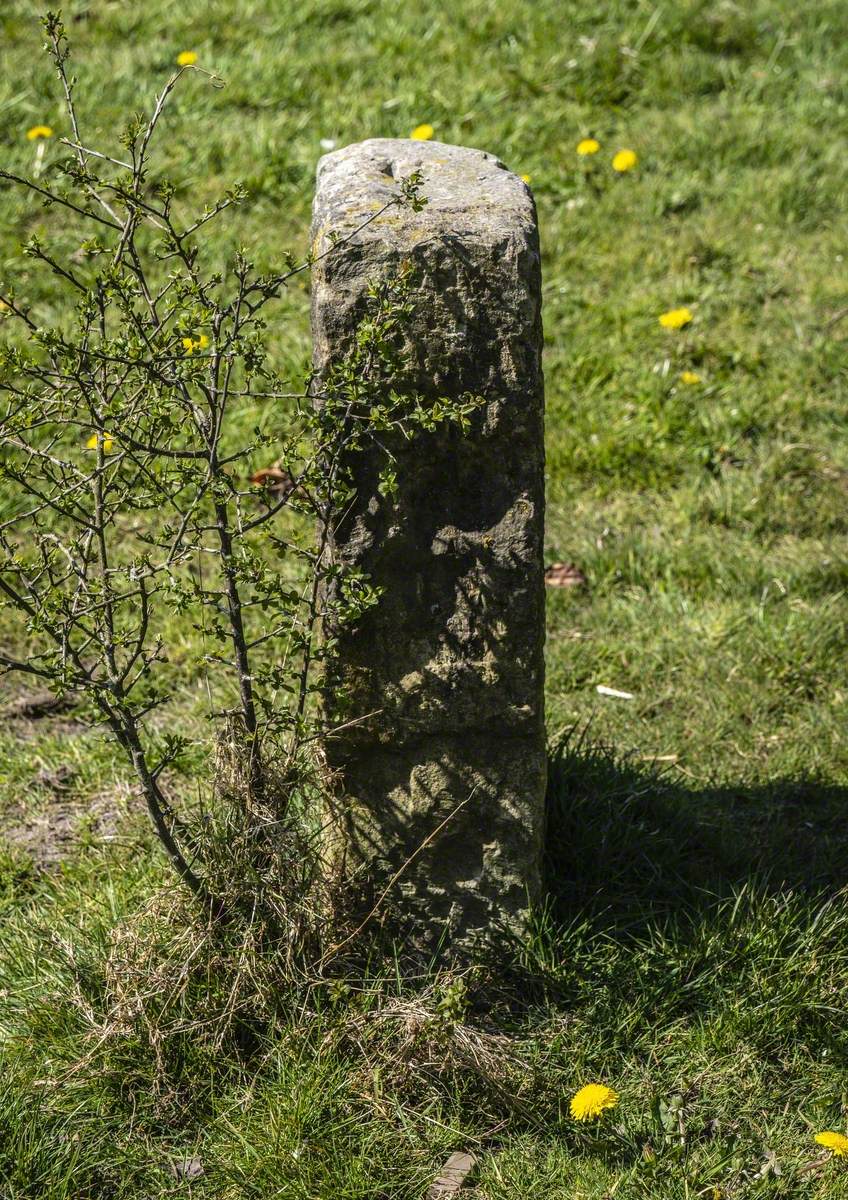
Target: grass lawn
[(694, 951)]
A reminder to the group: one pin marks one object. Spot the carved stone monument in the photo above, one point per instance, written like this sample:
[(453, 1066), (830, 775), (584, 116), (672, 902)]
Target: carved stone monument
[(440, 758)]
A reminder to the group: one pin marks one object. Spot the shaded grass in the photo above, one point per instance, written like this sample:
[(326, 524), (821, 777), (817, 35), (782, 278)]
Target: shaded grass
[(630, 844), (704, 975)]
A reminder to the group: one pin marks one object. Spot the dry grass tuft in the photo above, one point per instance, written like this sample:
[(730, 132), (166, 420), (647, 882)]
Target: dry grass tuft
[(408, 1049)]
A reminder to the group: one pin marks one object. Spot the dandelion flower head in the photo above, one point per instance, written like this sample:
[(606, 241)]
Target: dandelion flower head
[(186, 58), (422, 133), (588, 146), (837, 1142), (525, 178), (690, 377), (39, 131), (591, 1101), (100, 439), (625, 160), (675, 318)]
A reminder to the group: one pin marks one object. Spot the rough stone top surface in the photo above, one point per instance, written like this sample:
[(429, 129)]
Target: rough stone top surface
[(467, 191)]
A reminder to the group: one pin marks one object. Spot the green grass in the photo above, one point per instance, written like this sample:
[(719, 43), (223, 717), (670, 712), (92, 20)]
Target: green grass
[(693, 953)]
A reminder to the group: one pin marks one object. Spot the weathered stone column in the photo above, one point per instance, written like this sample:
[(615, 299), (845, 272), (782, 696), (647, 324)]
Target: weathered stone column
[(450, 661)]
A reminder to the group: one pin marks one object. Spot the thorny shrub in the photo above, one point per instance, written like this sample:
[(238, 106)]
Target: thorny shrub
[(130, 497)]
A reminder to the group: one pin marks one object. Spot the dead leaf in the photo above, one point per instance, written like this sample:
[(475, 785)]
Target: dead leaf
[(275, 480), (816, 1164), (770, 1165), (565, 575), (452, 1176), (186, 1168)]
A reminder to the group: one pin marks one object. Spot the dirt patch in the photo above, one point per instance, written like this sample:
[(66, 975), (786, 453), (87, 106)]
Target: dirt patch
[(26, 713), (51, 820), (54, 826)]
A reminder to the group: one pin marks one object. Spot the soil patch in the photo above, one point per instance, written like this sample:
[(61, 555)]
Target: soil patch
[(54, 825)]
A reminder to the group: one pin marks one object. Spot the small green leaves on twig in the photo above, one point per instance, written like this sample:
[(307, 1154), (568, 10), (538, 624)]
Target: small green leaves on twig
[(140, 505)]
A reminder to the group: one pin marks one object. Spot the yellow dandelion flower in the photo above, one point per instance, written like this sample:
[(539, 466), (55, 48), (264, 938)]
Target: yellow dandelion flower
[(525, 178), (625, 160), (198, 343), (422, 133), (97, 439), (39, 131), (591, 1101), (588, 146), (690, 377), (837, 1142), (675, 318), (186, 58)]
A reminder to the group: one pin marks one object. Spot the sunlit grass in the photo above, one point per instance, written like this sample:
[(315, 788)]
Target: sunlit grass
[(693, 957)]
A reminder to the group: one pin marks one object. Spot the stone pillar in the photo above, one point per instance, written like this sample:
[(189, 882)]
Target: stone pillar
[(445, 675)]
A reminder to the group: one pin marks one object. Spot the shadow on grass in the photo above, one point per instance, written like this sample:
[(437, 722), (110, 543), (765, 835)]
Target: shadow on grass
[(627, 844)]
